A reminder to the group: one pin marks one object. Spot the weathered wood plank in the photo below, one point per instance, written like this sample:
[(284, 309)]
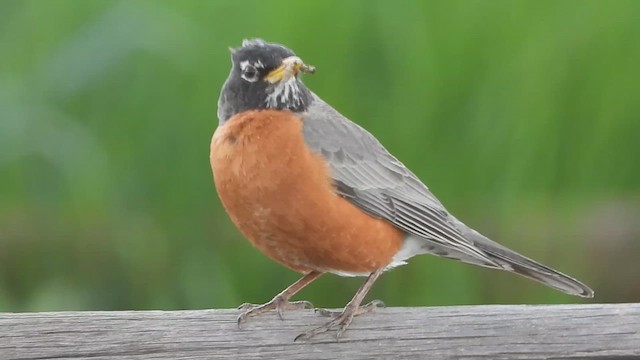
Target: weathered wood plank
[(479, 332)]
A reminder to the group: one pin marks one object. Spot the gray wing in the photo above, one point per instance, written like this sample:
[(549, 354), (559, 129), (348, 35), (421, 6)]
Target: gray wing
[(370, 177), (367, 175)]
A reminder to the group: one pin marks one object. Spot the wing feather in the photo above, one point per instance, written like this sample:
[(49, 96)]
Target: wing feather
[(370, 177)]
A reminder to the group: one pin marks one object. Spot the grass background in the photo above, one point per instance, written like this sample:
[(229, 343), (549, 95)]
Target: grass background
[(523, 117)]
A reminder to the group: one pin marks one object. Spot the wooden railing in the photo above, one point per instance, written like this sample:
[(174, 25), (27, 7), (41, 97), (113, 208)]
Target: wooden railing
[(597, 331)]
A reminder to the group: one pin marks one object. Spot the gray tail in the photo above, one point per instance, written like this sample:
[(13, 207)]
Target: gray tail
[(510, 260)]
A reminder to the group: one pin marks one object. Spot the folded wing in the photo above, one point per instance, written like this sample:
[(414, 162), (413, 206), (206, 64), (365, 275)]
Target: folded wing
[(367, 175)]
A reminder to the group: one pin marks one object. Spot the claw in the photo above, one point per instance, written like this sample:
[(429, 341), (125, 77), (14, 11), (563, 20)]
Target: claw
[(240, 321), (247, 306), (281, 301), (341, 320), (377, 304), (340, 331), (279, 311), (372, 306), (306, 304), (278, 303), (300, 337), (326, 313)]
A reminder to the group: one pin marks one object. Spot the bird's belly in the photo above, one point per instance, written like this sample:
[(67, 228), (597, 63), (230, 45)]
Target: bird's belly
[(280, 196)]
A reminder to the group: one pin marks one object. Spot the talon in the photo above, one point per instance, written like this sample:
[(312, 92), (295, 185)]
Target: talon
[(281, 301), (246, 306), (278, 303), (241, 319), (326, 313), (307, 304), (341, 320)]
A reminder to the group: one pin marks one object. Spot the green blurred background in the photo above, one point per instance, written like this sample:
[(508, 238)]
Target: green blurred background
[(523, 117)]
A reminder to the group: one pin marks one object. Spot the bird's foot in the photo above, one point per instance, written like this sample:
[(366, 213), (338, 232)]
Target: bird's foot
[(341, 320), (278, 303), (363, 309)]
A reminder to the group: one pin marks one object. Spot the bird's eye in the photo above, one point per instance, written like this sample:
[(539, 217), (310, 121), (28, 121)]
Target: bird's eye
[(250, 73)]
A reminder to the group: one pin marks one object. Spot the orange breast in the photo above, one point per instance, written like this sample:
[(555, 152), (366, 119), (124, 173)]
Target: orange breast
[(280, 196)]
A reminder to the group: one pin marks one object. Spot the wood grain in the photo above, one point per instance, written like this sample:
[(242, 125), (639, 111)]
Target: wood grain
[(594, 331)]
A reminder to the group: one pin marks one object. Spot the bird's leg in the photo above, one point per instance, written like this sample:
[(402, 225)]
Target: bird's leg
[(342, 321), (281, 301)]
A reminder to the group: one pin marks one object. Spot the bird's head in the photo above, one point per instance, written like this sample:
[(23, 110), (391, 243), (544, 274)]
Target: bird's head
[(263, 76)]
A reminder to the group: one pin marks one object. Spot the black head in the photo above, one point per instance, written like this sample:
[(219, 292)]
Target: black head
[(263, 76)]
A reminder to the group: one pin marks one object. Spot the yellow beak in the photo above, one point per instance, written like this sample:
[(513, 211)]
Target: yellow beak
[(288, 69)]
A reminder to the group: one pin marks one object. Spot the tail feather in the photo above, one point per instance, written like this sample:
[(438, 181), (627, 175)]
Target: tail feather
[(510, 260), (541, 273)]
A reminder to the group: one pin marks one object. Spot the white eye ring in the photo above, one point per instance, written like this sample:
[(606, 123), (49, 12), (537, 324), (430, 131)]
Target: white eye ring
[(249, 73)]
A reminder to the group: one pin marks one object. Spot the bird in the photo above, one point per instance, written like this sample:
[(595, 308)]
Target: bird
[(319, 194)]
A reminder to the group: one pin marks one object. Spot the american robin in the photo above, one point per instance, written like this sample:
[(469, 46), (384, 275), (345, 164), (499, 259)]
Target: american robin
[(319, 194)]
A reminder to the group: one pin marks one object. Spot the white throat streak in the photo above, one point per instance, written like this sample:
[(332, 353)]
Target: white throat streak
[(286, 94)]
